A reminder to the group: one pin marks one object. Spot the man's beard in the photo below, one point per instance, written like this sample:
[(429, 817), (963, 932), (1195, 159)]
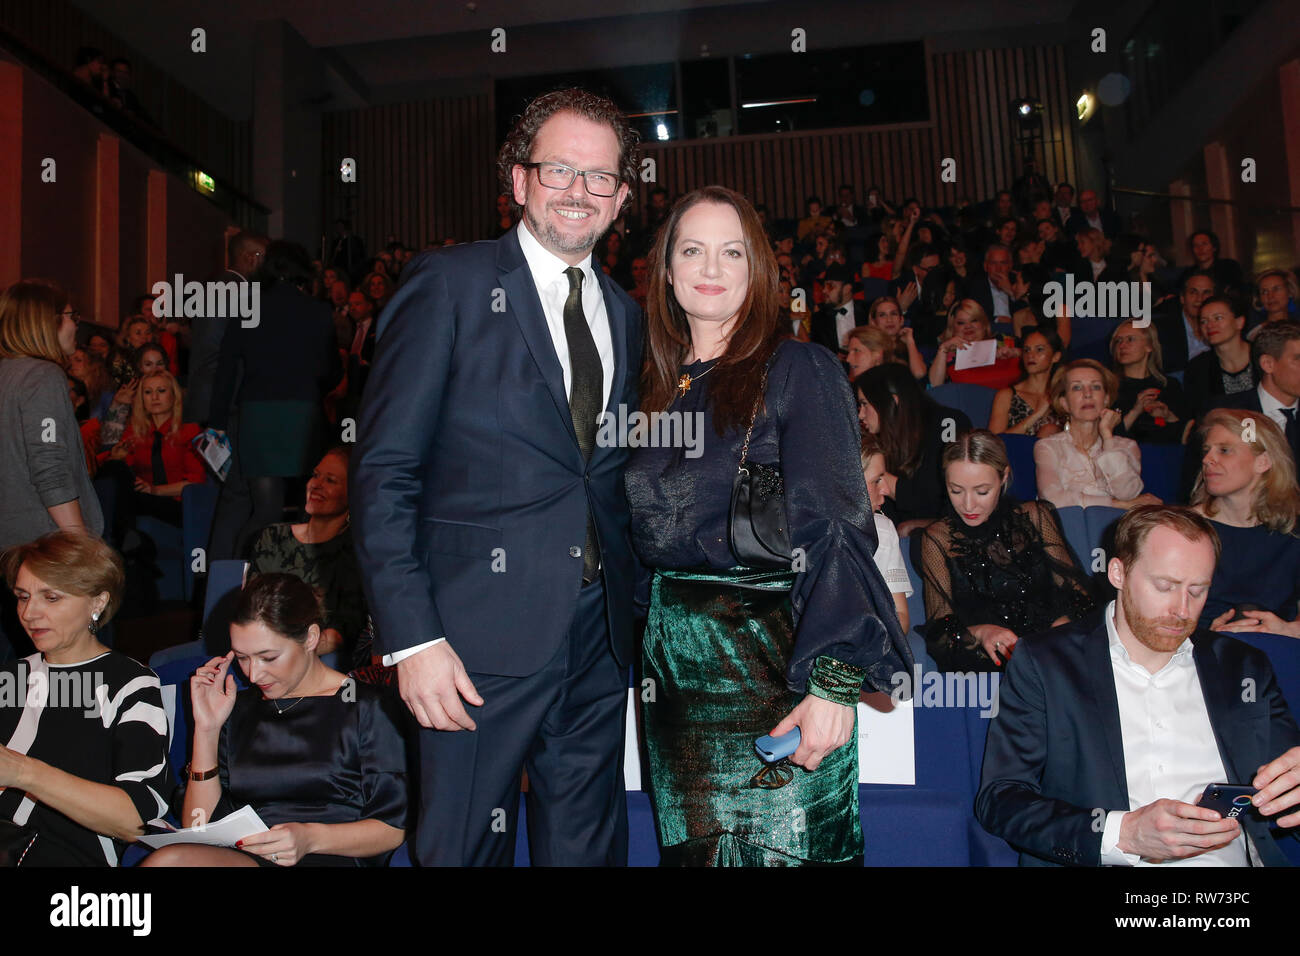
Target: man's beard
[(556, 241), (1146, 629)]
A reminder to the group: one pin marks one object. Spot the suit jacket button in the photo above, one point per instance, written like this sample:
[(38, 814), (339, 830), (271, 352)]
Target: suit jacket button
[(575, 552)]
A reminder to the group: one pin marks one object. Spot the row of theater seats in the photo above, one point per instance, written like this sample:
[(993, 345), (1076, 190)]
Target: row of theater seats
[(930, 823)]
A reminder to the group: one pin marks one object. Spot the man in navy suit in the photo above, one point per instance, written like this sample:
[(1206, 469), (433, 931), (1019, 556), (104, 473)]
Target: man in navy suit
[(1109, 730), (1276, 352), (491, 529)]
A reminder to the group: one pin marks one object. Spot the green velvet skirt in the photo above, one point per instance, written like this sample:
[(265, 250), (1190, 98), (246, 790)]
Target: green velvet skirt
[(716, 648)]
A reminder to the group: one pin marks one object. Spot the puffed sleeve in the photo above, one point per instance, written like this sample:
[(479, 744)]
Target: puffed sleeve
[(383, 758), (1120, 463), (843, 610), (140, 765)]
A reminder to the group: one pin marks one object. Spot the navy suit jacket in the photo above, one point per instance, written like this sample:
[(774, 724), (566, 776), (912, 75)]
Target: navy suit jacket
[(1110, 223), (1249, 401), (469, 493), (1055, 754)]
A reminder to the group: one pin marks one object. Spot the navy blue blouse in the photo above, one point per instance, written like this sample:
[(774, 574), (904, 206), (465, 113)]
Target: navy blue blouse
[(681, 505), (1258, 567)]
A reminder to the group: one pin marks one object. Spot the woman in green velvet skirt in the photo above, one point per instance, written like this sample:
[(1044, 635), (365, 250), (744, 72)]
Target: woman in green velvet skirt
[(732, 653)]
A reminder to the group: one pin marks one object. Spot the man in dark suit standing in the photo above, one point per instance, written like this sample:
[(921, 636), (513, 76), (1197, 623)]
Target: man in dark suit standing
[(244, 253), (491, 529), (1109, 730)]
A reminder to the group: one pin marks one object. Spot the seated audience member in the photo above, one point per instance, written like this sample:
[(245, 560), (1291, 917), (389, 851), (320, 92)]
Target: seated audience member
[(1275, 299), (968, 324), (338, 299), (87, 776), (319, 756), (1276, 351), (157, 447), (89, 427), (814, 223), (320, 552), (504, 220), (1091, 214), (868, 347), (1179, 325), (913, 429), (958, 259), (1153, 406), (839, 314), (378, 288), (92, 371), (889, 554), (1203, 246), (1093, 247), (1087, 464), (100, 344), (149, 359), (1226, 368), (1025, 408), (886, 315), (166, 331), (1109, 730), (991, 288), (995, 569), (1247, 488), (881, 263)]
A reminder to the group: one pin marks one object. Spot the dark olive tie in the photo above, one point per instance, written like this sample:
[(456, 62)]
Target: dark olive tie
[(585, 397), (1291, 436)]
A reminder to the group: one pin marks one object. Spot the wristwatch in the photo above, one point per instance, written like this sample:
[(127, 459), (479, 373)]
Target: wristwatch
[(203, 775)]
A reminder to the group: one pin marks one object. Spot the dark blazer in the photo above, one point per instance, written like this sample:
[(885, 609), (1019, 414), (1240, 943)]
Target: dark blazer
[(1249, 400), (1110, 224), (1171, 330), (1055, 753), (469, 492), (977, 288), (206, 334), (1203, 383)]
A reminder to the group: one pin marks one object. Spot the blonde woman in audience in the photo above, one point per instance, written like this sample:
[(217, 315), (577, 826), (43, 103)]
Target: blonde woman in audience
[(968, 323), (1087, 463), (1247, 488), (867, 348)]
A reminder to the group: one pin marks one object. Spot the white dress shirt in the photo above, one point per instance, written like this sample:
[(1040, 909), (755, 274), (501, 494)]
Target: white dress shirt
[(1001, 302), (844, 323), (1271, 407), (889, 557), (1170, 751), (552, 285)]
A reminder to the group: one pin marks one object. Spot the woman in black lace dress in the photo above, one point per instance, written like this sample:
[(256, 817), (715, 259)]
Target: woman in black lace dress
[(994, 568)]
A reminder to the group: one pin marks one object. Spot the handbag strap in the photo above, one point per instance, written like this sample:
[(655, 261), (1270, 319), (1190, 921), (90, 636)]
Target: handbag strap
[(753, 415)]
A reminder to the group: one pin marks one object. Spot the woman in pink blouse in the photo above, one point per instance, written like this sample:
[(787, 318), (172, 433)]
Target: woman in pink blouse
[(1086, 464)]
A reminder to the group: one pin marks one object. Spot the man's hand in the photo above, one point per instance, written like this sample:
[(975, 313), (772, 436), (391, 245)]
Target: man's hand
[(1279, 787), (823, 725), (1173, 830), (432, 684)]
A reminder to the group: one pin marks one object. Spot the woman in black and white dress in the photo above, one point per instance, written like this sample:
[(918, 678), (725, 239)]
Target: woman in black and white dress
[(83, 752)]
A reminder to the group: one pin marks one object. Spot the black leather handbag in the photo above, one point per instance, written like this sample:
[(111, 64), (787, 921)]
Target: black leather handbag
[(759, 531)]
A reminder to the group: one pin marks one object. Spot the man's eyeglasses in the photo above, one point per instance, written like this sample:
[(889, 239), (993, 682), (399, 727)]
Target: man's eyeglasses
[(559, 176), (72, 313)]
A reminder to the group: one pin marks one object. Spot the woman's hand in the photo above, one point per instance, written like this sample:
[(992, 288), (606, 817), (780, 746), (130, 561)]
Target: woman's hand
[(1162, 411), (1258, 622), (953, 344), (212, 693), (1106, 425), (11, 767), (823, 725), (995, 641), (144, 486), (1007, 351), (284, 844), (906, 336), (126, 394), (122, 449)]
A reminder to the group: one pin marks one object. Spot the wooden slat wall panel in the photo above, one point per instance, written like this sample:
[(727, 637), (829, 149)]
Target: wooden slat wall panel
[(971, 123), (425, 170)]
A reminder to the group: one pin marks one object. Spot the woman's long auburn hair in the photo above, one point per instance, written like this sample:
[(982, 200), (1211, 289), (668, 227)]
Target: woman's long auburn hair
[(735, 380)]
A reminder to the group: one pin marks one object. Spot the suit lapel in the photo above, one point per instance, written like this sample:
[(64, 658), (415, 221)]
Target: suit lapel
[(1229, 734), (524, 304), (1101, 678), (616, 313)]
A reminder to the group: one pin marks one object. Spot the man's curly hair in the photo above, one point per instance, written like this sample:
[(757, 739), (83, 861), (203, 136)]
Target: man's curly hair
[(518, 146)]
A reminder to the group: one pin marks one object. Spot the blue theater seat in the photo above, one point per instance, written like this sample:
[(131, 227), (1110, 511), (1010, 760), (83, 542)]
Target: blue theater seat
[(1162, 470), (975, 400), (1024, 475)]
